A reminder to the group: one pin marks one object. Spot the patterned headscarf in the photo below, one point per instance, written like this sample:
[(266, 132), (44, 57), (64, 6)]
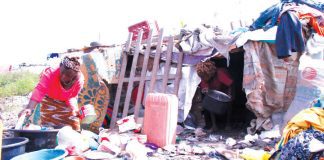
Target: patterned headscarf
[(71, 63)]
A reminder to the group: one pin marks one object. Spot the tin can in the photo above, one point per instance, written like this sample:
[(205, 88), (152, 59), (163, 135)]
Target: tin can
[(87, 114)]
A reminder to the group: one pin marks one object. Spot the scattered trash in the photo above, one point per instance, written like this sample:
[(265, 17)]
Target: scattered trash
[(217, 155), (273, 133), (251, 154), (126, 124), (169, 148), (179, 129), (108, 147), (67, 138), (213, 137), (151, 146), (197, 150), (97, 155), (251, 138), (199, 132), (137, 150), (230, 142)]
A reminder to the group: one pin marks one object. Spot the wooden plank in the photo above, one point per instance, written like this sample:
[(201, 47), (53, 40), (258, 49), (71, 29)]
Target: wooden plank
[(143, 75), (156, 61), (232, 25), (157, 77), (132, 74), (121, 81), (241, 23), (167, 65), (178, 73)]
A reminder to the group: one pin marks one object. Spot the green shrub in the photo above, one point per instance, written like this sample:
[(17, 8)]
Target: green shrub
[(17, 83)]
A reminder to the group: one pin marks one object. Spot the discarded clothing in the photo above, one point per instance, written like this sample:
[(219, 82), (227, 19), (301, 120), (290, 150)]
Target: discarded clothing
[(272, 13), (298, 147), (306, 15), (311, 3), (319, 29), (315, 45), (257, 35), (207, 39), (305, 119), (289, 37)]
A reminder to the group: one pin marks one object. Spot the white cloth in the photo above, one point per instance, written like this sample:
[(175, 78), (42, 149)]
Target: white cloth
[(257, 35), (187, 88)]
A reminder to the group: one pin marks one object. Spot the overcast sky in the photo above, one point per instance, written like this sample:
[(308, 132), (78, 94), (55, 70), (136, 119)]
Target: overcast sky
[(30, 29)]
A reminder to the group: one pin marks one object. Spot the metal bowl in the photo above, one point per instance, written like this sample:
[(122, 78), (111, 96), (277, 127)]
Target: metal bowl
[(217, 102)]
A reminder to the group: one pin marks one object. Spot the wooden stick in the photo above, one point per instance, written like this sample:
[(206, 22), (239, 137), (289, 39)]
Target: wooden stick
[(178, 73), (167, 65), (132, 74), (121, 81), (157, 77), (156, 61), (143, 74)]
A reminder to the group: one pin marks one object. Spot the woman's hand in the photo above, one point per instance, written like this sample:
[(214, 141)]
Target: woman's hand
[(29, 109), (26, 111), (76, 112), (204, 90)]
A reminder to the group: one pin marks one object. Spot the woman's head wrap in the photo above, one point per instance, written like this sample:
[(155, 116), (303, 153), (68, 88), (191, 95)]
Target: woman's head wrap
[(71, 63)]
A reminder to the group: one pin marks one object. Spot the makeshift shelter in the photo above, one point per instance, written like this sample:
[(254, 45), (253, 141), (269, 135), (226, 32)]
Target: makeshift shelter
[(269, 82)]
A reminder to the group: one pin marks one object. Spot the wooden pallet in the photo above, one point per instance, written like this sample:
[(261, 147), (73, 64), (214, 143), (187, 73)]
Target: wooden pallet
[(143, 77)]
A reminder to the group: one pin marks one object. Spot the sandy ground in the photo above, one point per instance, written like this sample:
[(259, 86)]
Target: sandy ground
[(9, 109)]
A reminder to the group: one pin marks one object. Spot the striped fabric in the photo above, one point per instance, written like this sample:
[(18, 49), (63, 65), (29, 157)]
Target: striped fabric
[(57, 114), (53, 113)]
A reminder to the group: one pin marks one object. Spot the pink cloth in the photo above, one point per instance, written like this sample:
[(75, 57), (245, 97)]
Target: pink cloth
[(49, 85)]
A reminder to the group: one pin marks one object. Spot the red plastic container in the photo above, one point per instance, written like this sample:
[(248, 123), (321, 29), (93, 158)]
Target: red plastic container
[(160, 118), (146, 26)]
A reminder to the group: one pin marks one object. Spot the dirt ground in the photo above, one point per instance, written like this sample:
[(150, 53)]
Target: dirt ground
[(9, 109)]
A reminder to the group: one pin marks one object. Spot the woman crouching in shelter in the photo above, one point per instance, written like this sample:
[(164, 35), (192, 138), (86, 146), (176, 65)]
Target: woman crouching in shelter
[(214, 78), (55, 98)]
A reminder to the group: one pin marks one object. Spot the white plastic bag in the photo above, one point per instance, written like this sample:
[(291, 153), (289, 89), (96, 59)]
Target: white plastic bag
[(69, 138), (310, 86)]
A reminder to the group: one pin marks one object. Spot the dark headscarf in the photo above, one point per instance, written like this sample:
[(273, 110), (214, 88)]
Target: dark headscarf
[(71, 63)]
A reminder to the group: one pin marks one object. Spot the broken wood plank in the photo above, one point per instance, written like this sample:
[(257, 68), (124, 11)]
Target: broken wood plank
[(167, 65), (132, 74), (178, 74), (156, 61), (143, 74), (121, 80)]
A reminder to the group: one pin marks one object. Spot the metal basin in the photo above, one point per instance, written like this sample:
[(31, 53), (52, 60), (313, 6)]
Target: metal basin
[(217, 102)]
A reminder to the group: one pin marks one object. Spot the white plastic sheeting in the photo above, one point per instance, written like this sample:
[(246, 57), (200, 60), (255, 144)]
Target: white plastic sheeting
[(187, 88)]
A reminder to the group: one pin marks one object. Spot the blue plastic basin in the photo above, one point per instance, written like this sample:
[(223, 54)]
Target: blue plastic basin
[(12, 147), (44, 154)]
